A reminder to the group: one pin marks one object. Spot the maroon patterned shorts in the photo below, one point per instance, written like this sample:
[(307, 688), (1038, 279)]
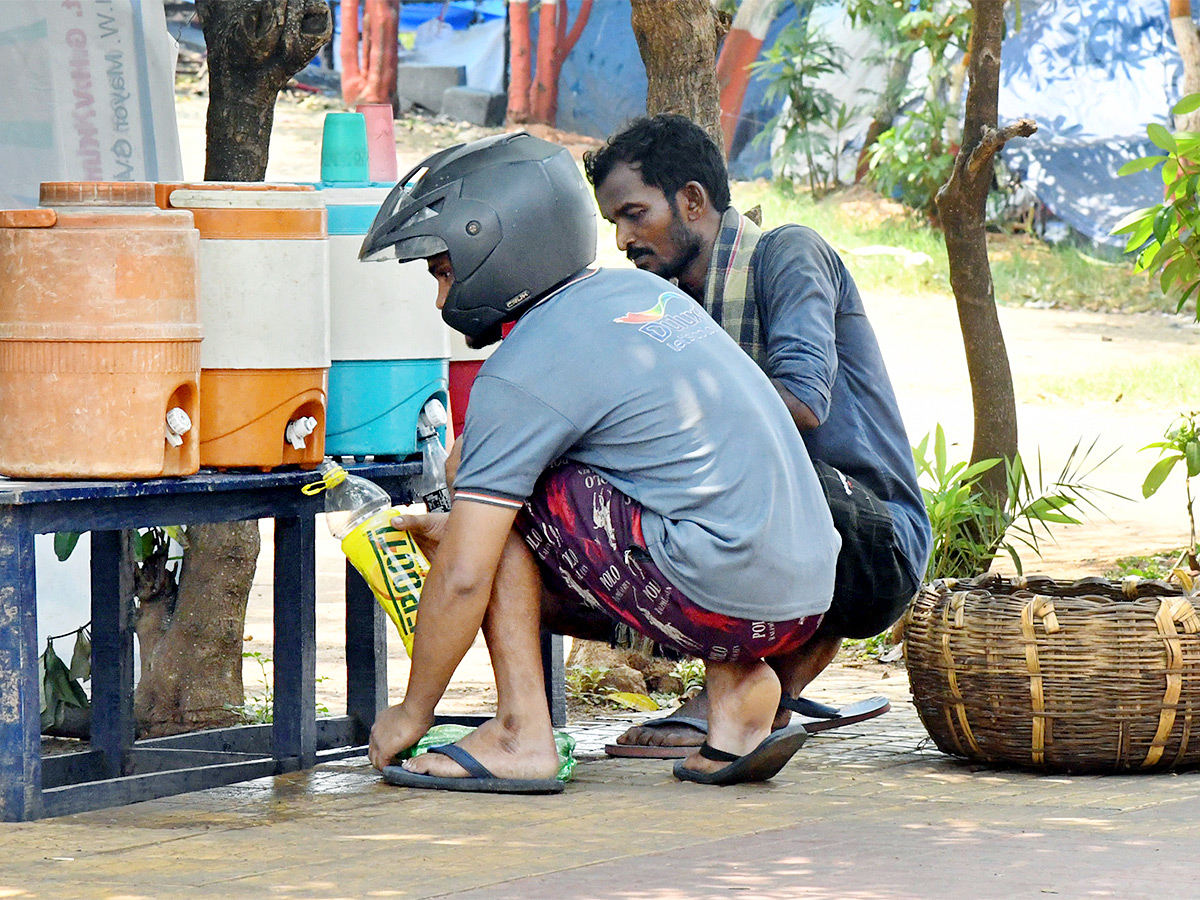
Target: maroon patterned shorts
[(587, 538)]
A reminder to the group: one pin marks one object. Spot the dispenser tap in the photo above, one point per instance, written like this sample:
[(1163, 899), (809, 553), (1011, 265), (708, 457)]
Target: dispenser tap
[(299, 429), (179, 423)]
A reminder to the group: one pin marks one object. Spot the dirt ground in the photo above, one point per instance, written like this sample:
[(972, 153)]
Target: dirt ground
[(923, 348)]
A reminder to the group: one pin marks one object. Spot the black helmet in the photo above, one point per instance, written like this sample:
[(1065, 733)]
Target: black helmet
[(512, 210)]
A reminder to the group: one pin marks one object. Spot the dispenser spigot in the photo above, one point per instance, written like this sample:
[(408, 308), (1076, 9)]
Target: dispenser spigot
[(179, 423), (298, 430)]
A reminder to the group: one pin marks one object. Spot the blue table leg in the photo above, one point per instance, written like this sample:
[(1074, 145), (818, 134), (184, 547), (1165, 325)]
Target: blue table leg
[(112, 652), (294, 731), (20, 706), (366, 654)]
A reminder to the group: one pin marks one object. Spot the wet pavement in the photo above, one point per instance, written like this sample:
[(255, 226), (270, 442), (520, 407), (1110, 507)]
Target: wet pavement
[(868, 812)]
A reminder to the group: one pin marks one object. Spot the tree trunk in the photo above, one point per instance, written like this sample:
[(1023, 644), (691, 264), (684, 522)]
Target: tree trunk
[(254, 47), (886, 108), (677, 40), (1188, 42), (190, 637), (961, 204)]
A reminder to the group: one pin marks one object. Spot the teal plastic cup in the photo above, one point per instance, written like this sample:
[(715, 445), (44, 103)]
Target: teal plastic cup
[(344, 155)]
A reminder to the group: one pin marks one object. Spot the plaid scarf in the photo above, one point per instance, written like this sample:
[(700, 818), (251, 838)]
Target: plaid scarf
[(729, 288)]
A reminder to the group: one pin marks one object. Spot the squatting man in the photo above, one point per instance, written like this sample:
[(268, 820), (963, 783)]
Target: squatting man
[(621, 456)]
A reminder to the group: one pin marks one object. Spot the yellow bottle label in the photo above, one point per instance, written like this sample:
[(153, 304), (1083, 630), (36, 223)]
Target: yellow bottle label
[(393, 566)]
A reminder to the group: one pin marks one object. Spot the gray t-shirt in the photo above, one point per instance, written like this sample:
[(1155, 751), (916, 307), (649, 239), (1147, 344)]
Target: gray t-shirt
[(822, 347), (620, 371)]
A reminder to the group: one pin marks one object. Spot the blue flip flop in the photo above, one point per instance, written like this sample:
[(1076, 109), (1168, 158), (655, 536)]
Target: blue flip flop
[(479, 780), (761, 763)]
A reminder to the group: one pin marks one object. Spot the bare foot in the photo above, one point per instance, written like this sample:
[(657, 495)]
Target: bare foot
[(683, 735), (744, 698), (504, 752)]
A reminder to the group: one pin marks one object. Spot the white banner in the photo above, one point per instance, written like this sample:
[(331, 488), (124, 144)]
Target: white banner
[(87, 93)]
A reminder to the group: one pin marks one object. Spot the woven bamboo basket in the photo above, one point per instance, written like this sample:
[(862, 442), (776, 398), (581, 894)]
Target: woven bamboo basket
[(1089, 676)]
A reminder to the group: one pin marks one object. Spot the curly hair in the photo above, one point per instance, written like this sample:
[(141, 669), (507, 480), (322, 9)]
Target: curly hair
[(669, 150)]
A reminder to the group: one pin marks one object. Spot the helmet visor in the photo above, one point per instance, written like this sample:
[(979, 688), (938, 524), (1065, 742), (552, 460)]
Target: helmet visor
[(415, 247)]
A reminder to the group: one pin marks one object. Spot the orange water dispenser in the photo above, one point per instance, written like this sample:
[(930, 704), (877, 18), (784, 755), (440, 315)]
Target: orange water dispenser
[(99, 335), (264, 304)]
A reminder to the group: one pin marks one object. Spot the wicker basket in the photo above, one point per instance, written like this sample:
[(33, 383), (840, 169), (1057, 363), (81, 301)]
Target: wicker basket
[(1090, 676)]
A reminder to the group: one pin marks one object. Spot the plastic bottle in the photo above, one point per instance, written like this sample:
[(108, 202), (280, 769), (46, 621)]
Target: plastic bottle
[(359, 513), (432, 487)]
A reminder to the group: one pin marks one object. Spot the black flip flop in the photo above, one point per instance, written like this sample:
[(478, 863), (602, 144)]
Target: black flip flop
[(480, 779), (821, 717), (661, 751), (814, 717), (761, 763)]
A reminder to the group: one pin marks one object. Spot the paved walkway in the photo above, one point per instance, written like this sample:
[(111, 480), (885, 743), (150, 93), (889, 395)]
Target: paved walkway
[(870, 812)]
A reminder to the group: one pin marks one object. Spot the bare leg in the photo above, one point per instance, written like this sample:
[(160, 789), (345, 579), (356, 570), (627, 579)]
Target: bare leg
[(743, 698), (519, 741), (797, 669)]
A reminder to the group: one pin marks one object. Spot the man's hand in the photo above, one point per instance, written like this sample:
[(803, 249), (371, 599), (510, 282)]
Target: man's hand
[(395, 729), (427, 530)]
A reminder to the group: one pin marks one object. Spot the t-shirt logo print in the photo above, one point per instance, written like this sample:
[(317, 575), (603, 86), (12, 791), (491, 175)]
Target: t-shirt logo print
[(676, 330)]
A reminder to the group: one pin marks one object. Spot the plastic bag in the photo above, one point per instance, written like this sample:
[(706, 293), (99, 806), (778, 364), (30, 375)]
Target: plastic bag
[(449, 734)]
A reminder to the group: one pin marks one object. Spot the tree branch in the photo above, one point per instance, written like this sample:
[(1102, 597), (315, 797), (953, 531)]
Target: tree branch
[(993, 140)]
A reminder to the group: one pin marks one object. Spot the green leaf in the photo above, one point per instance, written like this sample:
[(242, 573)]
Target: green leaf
[(1159, 474), (1130, 221), (1160, 136), (64, 544), (1141, 165), (1192, 452), (1163, 220), (42, 698), (1189, 103), (177, 533)]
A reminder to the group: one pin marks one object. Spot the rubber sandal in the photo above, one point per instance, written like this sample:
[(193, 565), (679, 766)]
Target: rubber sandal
[(660, 751), (479, 780), (761, 763), (821, 717), (814, 717)]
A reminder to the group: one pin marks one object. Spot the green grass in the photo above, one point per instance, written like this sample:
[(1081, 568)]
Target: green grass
[(1024, 269), (1155, 567), (1163, 383)]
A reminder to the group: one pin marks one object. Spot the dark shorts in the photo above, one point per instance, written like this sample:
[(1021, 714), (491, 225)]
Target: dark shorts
[(587, 538), (872, 586)]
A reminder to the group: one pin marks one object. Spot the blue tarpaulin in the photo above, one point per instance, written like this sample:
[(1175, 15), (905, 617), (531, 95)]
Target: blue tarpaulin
[(457, 14), (1093, 74)]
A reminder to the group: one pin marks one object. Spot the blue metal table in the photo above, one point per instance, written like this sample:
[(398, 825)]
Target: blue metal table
[(117, 769)]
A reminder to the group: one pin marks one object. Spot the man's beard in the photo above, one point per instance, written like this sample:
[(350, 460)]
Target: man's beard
[(486, 339), (687, 244)]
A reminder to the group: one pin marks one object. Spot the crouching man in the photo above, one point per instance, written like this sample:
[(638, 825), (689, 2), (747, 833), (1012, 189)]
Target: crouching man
[(621, 456)]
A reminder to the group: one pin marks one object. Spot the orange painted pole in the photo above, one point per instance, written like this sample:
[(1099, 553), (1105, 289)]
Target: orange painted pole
[(545, 99), (519, 61), (352, 80)]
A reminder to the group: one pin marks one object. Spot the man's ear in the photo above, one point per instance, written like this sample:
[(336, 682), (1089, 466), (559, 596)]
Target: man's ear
[(694, 200)]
